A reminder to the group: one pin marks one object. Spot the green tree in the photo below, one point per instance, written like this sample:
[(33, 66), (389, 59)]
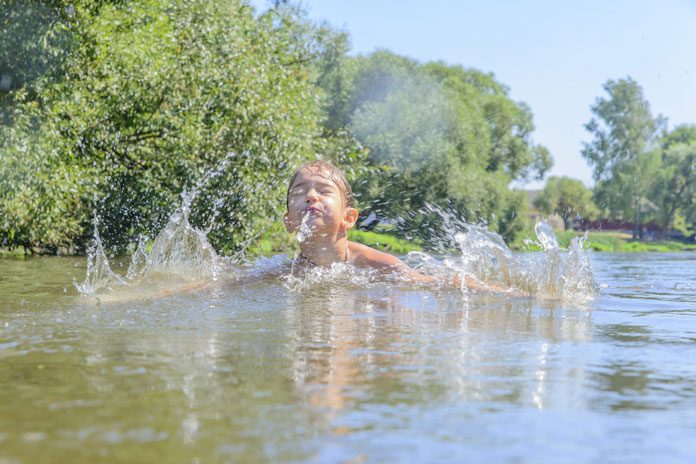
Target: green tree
[(685, 133), (119, 107), (624, 133), (151, 95), (674, 186), (569, 198), (440, 135), (34, 41)]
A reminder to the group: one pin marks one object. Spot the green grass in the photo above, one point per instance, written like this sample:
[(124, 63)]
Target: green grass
[(607, 241), (384, 242), (16, 253), (274, 240)]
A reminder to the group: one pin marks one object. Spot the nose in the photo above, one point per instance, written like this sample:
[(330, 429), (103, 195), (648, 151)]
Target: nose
[(312, 196)]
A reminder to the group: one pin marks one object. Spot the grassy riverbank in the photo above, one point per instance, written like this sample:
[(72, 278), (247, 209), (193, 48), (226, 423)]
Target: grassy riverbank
[(597, 241), (384, 242), (16, 253), (276, 240), (607, 241)]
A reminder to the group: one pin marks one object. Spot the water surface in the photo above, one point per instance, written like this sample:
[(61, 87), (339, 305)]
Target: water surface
[(258, 372)]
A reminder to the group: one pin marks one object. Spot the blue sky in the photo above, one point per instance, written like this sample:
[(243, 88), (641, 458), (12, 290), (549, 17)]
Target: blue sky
[(555, 56)]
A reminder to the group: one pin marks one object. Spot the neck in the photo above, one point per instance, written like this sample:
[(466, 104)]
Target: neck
[(324, 251)]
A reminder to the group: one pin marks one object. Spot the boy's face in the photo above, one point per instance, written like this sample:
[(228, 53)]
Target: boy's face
[(315, 194)]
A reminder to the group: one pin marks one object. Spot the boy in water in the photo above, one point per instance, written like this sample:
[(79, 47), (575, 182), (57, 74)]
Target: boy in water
[(321, 207)]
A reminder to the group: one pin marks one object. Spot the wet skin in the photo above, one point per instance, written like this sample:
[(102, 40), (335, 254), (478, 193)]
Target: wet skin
[(317, 197)]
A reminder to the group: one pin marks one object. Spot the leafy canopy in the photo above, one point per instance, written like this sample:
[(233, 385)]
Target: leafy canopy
[(624, 134), (151, 96), (440, 135), (118, 107)]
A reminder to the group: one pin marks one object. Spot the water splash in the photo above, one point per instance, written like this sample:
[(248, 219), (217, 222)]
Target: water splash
[(303, 234), (483, 256), (305, 231), (337, 275), (546, 236), (184, 252), (99, 273), (219, 200), (138, 259), (579, 283), (551, 273), (179, 250)]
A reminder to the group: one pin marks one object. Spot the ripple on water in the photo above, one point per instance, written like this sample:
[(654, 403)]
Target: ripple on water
[(252, 370)]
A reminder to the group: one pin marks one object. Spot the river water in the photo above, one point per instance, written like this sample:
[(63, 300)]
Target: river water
[(260, 371)]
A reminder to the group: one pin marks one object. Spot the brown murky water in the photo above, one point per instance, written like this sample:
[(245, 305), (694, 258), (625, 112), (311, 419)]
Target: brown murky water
[(349, 373)]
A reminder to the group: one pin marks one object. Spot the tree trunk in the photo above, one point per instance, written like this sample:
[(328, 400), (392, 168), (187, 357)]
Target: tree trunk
[(567, 223), (668, 221), (637, 229)]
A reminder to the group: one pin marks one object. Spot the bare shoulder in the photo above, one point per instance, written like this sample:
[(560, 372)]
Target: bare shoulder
[(366, 257)]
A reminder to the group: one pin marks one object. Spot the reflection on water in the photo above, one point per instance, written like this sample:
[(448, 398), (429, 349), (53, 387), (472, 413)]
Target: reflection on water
[(258, 372), (431, 347)]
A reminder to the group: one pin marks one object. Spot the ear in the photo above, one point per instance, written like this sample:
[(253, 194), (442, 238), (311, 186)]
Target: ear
[(350, 217)]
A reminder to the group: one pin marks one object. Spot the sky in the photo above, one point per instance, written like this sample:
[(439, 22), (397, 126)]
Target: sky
[(554, 56)]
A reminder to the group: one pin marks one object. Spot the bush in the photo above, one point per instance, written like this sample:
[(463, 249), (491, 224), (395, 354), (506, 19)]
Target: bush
[(151, 96)]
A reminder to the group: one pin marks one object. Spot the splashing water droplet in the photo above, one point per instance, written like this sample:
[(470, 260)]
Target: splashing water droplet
[(138, 260), (179, 249), (546, 236), (99, 274), (305, 231), (485, 257)]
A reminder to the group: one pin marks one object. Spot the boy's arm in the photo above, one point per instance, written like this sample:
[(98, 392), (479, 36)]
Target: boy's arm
[(457, 281), (369, 257)]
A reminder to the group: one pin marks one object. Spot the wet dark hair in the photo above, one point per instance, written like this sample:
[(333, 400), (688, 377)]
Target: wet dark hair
[(328, 171)]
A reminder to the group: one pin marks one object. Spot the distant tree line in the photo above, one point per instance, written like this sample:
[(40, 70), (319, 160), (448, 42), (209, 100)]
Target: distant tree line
[(111, 109), (643, 172)]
